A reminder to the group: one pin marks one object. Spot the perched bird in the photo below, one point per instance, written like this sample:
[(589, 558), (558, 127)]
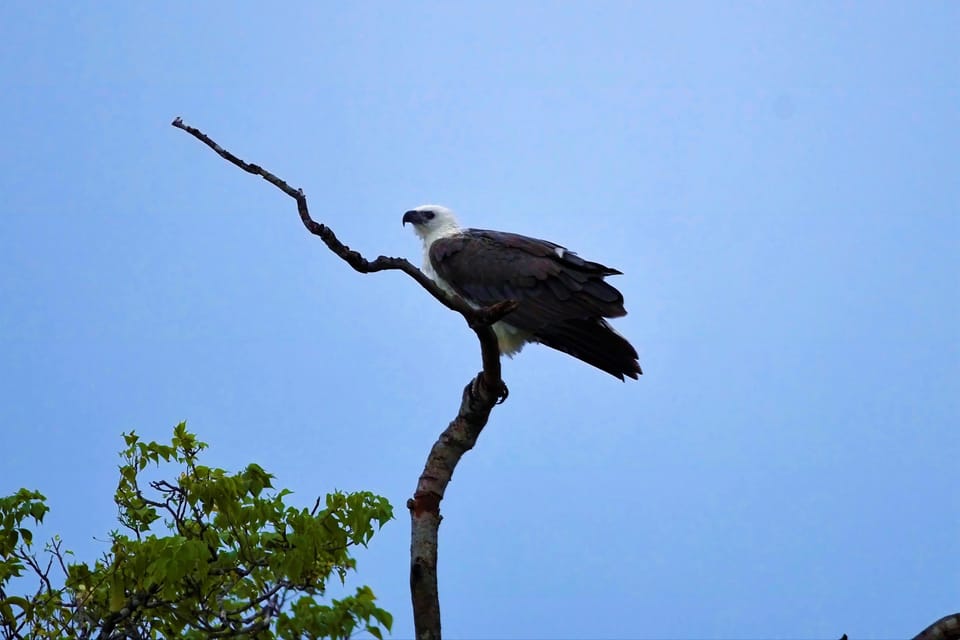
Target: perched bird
[(562, 298)]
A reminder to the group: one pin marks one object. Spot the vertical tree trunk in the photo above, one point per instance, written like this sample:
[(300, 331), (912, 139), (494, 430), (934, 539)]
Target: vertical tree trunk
[(458, 438)]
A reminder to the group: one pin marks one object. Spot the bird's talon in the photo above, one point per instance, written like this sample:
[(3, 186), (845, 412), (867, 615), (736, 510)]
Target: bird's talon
[(503, 394)]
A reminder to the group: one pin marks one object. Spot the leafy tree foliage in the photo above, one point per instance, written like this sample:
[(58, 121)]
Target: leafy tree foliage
[(208, 555)]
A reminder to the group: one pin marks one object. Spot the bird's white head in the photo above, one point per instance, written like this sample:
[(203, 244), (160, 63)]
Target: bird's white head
[(431, 221)]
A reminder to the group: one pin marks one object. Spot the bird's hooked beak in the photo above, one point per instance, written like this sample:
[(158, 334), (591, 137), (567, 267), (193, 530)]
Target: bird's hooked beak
[(414, 217)]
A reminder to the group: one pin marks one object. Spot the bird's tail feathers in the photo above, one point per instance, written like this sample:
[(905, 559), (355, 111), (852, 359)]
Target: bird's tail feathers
[(595, 342)]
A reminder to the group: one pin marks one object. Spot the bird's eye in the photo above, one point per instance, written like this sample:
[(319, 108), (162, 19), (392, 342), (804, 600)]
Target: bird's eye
[(429, 215)]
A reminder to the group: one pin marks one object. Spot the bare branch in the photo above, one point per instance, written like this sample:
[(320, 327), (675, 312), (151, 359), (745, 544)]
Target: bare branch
[(43, 574), (479, 397), (478, 319)]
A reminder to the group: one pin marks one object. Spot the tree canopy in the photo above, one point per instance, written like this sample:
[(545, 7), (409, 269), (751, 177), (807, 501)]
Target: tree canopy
[(203, 554)]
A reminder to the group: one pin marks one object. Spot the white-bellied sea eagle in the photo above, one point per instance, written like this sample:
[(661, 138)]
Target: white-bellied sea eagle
[(563, 299)]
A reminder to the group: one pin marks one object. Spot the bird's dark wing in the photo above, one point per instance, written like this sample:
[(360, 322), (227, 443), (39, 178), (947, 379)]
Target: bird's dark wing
[(550, 283), (563, 299)]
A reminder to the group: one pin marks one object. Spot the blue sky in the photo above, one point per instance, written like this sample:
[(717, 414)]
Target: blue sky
[(777, 181)]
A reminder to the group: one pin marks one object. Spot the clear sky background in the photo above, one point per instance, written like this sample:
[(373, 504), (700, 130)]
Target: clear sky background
[(779, 183)]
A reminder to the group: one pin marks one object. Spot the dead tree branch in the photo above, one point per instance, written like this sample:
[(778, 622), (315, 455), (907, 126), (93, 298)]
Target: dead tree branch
[(479, 397)]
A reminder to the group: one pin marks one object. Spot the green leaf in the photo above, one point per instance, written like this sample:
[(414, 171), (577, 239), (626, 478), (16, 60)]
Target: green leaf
[(7, 614), (117, 596), (384, 618), (17, 601)]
